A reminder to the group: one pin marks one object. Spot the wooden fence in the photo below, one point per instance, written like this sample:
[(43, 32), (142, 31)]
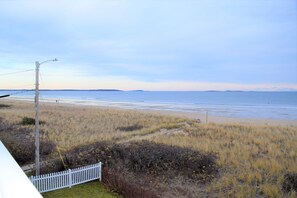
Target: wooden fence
[(68, 178)]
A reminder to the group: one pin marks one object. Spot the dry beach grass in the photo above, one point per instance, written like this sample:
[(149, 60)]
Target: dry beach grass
[(252, 159)]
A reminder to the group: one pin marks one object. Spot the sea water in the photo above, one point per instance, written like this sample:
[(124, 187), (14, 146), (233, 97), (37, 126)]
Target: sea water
[(268, 105)]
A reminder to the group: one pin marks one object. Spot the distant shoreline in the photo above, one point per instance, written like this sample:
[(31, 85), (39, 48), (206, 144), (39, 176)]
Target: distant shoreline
[(268, 91), (64, 90)]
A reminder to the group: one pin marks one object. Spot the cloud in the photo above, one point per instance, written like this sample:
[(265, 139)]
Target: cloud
[(240, 42)]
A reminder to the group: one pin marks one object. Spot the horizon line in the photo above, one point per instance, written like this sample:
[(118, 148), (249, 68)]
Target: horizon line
[(22, 89)]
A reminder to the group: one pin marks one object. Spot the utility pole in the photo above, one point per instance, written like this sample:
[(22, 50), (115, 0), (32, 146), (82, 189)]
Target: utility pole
[(37, 158), (37, 161)]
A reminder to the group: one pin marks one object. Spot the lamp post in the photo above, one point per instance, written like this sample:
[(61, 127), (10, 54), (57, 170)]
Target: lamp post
[(37, 161)]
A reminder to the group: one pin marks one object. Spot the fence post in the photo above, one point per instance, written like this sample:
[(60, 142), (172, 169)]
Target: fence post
[(70, 178), (100, 171), (31, 179)]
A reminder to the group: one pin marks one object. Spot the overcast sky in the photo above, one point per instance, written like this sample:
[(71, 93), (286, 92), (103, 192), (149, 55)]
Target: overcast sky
[(150, 44)]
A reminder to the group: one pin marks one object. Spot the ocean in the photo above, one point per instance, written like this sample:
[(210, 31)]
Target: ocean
[(266, 105)]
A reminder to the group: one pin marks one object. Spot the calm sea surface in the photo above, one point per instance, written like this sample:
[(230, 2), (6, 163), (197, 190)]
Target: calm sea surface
[(272, 105)]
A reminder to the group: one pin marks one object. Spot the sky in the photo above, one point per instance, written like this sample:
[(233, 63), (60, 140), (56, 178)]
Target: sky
[(174, 45)]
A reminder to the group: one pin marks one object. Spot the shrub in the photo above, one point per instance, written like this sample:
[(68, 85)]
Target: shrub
[(21, 144), (2, 106), (49, 165), (146, 157), (130, 128), (117, 182), (290, 182), (156, 158), (23, 150), (29, 121), (142, 159), (47, 147)]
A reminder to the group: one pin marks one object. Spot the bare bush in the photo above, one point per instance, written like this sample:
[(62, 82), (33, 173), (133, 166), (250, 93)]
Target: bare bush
[(130, 128), (290, 182), (117, 183), (146, 157), (20, 142)]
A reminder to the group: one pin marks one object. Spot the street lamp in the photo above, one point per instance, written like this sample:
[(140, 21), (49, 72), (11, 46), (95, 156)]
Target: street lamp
[(37, 161)]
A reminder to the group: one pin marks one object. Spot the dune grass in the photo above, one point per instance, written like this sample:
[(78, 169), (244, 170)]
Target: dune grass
[(253, 159), (70, 126)]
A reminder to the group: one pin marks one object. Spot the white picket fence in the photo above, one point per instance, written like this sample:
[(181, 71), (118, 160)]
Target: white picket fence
[(68, 178)]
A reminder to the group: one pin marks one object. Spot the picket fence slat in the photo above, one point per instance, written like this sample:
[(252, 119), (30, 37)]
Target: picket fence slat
[(68, 178)]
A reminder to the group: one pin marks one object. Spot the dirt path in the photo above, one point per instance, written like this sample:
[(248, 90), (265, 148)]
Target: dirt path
[(28, 168), (176, 131)]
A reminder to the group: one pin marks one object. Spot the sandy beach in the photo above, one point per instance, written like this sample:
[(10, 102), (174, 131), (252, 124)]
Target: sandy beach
[(227, 120), (203, 118)]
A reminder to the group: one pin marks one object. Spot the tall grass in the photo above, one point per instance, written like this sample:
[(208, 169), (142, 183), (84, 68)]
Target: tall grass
[(70, 126)]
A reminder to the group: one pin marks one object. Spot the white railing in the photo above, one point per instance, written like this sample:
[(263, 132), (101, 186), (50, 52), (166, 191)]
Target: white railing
[(68, 178)]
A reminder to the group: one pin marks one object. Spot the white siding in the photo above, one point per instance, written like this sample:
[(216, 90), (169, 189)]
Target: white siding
[(13, 181)]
